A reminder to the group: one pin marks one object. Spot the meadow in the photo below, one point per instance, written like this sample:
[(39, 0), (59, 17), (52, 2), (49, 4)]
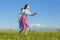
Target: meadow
[(32, 35)]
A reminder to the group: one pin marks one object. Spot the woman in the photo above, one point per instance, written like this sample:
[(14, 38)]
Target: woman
[(23, 24)]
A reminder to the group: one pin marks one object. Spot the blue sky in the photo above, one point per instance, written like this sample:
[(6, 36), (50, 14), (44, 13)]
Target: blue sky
[(48, 11)]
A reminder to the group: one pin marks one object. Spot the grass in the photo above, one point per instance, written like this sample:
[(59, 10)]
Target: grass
[(33, 35)]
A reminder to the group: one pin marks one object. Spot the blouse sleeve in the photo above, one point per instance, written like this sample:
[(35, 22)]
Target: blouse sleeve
[(29, 13)]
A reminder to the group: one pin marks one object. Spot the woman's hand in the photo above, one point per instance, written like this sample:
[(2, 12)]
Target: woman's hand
[(33, 14)]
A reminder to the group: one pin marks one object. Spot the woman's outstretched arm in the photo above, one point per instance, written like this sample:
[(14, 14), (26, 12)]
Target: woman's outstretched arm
[(33, 14)]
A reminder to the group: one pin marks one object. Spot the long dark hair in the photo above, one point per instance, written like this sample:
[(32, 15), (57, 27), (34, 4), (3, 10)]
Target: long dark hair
[(25, 6), (22, 8)]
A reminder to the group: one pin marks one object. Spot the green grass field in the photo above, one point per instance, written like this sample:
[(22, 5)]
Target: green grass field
[(33, 35)]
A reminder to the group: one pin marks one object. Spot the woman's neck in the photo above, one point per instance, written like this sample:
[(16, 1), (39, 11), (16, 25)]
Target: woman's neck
[(26, 10)]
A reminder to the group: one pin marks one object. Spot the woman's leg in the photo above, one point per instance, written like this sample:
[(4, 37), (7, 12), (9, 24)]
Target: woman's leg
[(26, 31), (20, 31), (25, 24)]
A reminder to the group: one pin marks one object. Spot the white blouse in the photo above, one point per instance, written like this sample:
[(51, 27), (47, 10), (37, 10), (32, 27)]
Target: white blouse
[(24, 10)]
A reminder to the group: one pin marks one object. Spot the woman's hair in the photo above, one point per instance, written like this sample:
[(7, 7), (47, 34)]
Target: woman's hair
[(22, 8), (25, 6)]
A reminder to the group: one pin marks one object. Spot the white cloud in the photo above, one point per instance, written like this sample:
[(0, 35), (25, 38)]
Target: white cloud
[(44, 26), (55, 26), (37, 25), (8, 27)]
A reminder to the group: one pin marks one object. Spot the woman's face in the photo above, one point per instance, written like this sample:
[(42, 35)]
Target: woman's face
[(28, 7)]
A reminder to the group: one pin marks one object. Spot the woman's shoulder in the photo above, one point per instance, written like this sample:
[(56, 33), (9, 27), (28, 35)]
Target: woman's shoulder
[(23, 10)]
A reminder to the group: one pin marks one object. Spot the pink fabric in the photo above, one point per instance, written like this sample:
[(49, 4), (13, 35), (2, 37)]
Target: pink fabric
[(24, 21)]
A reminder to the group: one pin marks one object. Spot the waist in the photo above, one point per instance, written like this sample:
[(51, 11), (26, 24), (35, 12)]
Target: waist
[(24, 14)]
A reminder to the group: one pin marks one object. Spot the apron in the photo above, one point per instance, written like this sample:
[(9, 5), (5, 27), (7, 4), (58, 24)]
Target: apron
[(23, 23)]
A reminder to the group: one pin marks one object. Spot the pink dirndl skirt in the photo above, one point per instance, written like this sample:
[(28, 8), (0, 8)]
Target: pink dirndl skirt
[(24, 21)]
